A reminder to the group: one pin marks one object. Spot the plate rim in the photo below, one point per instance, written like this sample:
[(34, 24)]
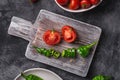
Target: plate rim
[(32, 69)]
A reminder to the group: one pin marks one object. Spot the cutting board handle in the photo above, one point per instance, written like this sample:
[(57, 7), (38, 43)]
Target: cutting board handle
[(20, 28)]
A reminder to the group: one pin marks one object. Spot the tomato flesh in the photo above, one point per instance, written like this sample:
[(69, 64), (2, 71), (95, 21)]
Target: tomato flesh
[(69, 34), (51, 37)]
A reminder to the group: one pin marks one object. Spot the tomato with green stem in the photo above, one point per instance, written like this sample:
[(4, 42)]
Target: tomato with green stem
[(52, 37), (85, 4)]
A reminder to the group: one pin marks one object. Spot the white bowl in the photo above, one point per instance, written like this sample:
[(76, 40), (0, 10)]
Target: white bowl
[(78, 10), (43, 73)]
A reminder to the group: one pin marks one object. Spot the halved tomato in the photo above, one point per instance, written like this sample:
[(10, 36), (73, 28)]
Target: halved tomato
[(51, 37), (68, 33)]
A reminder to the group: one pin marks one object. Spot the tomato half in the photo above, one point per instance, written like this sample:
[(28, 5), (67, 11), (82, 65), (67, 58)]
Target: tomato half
[(68, 33), (74, 4), (94, 2), (51, 37), (62, 2), (85, 4)]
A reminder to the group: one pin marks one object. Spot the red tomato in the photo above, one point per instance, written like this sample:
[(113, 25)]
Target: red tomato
[(68, 33), (74, 4), (85, 4), (62, 2), (51, 37), (94, 2)]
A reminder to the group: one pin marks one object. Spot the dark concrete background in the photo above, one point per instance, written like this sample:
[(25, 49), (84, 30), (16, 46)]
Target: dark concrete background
[(12, 49)]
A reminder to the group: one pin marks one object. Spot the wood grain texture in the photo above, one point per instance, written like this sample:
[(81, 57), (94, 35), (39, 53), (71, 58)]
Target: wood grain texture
[(20, 28)]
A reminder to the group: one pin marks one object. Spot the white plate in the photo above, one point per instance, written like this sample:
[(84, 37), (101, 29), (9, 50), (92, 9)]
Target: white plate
[(43, 73), (78, 10)]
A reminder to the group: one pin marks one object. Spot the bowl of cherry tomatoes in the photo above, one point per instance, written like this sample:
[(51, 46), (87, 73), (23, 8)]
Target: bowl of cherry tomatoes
[(77, 5)]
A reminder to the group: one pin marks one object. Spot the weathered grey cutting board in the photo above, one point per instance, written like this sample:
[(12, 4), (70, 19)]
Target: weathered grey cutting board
[(47, 20)]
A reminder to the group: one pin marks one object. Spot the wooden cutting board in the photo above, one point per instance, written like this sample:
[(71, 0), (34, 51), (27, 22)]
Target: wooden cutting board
[(47, 20)]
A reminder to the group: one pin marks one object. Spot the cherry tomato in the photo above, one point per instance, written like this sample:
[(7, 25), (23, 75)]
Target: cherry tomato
[(94, 2), (74, 4), (62, 2), (85, 4), (51, 37), (68, 33)]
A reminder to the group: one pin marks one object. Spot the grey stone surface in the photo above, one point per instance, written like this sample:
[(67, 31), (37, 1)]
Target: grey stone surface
[(106, 60)]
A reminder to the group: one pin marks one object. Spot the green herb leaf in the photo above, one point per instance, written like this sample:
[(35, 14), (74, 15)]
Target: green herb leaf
[(101, 77), (30, 77)]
